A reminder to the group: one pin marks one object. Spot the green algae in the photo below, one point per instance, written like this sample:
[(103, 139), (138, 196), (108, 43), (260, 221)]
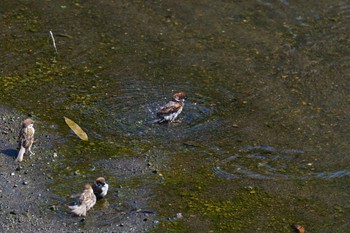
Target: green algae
[(208, 203)]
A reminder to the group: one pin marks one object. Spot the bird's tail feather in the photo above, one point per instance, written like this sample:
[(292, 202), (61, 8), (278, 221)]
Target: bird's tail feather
[(78, 210), (158, 121), (20, 154)]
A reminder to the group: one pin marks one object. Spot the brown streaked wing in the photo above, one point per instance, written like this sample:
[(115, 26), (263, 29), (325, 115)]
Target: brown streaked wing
[(170, 107), (90, 200), (28, 137)]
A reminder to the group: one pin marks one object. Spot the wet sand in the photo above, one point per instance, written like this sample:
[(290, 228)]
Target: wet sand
[(27, 203)]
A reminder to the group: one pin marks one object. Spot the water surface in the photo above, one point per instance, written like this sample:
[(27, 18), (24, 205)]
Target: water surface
[(262, 140)]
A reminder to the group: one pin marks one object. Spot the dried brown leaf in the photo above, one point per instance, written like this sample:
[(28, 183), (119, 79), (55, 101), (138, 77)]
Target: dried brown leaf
[(76, 129)]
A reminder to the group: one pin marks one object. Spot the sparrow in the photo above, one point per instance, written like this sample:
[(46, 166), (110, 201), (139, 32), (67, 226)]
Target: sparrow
[(170, 111), (100, 188), (86, 201), (26, 139)]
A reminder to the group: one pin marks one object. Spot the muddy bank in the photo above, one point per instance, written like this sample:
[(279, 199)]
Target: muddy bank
[(29, 205)]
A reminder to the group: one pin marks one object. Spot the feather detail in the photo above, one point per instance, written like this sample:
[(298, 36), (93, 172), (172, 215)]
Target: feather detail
[(171, 110), (20, 154), (78, 210), (25, 139), (100, 188), (86, 201)]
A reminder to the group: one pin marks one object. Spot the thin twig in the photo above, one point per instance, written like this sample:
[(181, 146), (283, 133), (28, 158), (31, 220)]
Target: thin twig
[(64, 35), (53, 42)]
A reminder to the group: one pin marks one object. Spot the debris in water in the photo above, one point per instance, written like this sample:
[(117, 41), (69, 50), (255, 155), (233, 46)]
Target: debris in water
[(76, 129)]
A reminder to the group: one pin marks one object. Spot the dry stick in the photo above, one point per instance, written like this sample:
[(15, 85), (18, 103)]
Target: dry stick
[(53, 42)]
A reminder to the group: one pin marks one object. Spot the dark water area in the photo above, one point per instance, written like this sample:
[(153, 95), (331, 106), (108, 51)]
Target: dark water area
[(262, 140)]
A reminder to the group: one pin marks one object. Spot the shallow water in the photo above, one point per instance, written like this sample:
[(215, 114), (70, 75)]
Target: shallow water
[(262, 140)]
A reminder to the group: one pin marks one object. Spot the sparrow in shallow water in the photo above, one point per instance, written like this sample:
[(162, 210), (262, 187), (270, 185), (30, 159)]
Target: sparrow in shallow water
[(171, 110), (100, 188), (26, 139), (86, 201)]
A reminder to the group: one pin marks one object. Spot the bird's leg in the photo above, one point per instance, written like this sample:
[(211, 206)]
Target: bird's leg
[(30, 151)]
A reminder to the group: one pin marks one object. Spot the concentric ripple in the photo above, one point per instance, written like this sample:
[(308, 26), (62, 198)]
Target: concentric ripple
[(137, 120), (266, 162)]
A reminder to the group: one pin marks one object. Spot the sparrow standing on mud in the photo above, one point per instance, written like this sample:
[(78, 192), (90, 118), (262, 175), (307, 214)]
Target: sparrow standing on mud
[(100, 188), (86, 201), (26, 139), (171, 110)]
